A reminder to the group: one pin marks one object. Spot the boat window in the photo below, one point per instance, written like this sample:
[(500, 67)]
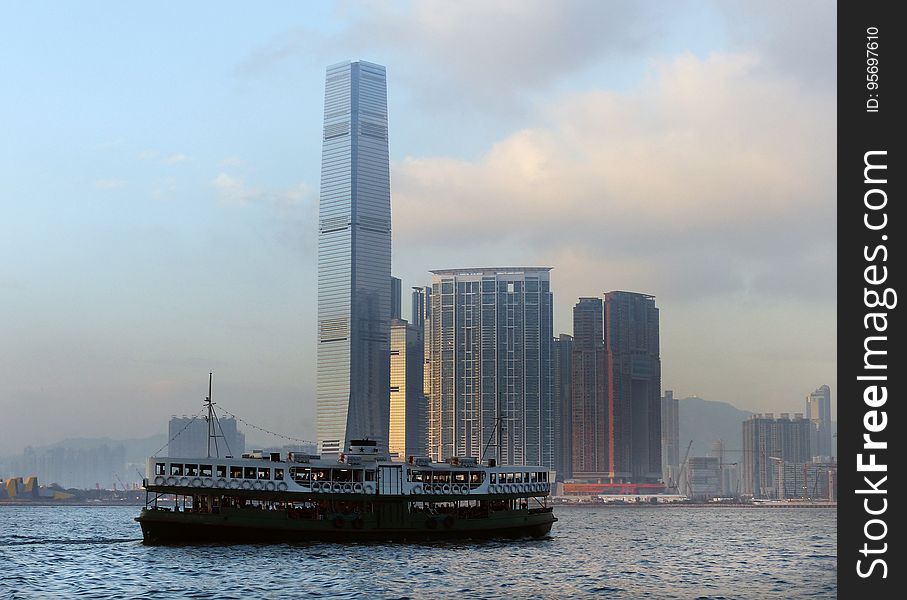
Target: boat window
[(278, 474), (494, 478), (235, 472), (518, 477), (544, 475), (460, 477), (342, 475), (321, 474), (204, 470), (176, 469), (509, 477), (221, 471), (264, 473), (191, 470), (357, 475), (159, 469), (370, 475), (249, 473), (475, 477)]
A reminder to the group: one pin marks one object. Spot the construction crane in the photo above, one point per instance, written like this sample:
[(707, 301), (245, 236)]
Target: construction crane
[(123, 485), (683, 466)]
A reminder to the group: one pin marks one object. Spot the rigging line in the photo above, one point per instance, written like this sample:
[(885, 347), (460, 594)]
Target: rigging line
[(262, 429), (178, 433)]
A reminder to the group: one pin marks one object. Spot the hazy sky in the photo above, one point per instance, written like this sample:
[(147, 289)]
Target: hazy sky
[(159, 175)]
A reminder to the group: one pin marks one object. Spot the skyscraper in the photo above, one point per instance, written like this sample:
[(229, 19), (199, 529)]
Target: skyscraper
[(818, 411), (396, 298), (407, 404), (592, 418), (634, 379), (562, 386), (491, 363), (670, 438), (354, 259), (767, 440)]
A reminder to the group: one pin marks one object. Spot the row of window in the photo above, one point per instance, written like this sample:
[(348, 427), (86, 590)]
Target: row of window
[(461, 477), (533, 477), (306, 475), (219, 471)]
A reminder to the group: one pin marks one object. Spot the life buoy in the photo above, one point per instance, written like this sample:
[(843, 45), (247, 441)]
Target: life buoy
[(347, 488), (258, 485), (160, 480), (208, 482), (417, 489), (196, 482), (465, 489), (357, 487), (446, 488), (338, 488), (270, 486), (184, 481), (234, 485), (171, 481), (369, 488), (221, 483), (316, 486), (282, 486), (247, 485)]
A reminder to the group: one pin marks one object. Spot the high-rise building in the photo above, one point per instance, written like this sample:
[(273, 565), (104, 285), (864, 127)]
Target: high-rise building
[(562, 385), (703, 478), (396, 298), (354, 259), (818, 411), (408, 404), (634, 380), (767, 440), (670, 438), (491, 365), (421, 320), (592, 418)]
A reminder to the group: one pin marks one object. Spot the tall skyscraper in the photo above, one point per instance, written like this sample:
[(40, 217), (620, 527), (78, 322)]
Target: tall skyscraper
[(396, 298), (767, 440), (491, 363), (354, 259), (592, 418), (421, 320), (670, 438), (562, 385), (408, 410), (818, 411), (634, 379)]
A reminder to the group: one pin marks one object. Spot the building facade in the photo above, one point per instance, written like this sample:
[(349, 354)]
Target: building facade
[(703, 478), (818, 411), (767, 440), (670, 438), (408, 410), (354, 259), (562, 385), (592, 417), (491, 390), (634, 380)]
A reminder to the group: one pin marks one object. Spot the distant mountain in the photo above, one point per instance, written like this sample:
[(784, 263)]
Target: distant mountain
[(136, 449), (707, 421)]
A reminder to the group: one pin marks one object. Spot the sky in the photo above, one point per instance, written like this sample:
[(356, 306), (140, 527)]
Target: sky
[(159, 177)]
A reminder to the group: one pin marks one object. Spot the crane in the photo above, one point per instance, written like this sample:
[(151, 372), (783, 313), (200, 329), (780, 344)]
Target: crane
[(683, 465)]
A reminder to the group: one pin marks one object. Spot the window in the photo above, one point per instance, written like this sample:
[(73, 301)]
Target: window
[(159, 469), (249, 473), (278, 474), (176, 469), (221, 471), (192, 470), (494, 478), (321, 474), (204, 470), (235, 472), (370, 475), (264, 473)]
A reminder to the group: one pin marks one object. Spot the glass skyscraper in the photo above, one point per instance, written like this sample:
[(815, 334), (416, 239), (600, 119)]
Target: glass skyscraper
[(490, 363), (354, 259)]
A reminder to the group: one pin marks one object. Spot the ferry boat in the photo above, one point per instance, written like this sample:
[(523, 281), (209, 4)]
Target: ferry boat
[(362, 495)]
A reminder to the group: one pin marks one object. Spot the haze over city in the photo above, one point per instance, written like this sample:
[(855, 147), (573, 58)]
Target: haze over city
[(160, 177)]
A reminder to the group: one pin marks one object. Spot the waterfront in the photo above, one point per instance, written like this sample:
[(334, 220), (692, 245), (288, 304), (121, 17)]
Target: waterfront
[(95, 552)]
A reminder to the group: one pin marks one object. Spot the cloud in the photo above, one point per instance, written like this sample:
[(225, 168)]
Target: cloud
[(175, 159), (109, 184), (234, 191), (715, 175)]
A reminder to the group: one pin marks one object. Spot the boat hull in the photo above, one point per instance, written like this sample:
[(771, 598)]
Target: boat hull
[(165, 527)]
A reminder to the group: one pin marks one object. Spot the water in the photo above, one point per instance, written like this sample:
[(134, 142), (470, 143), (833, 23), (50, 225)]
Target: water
[(96, 552)]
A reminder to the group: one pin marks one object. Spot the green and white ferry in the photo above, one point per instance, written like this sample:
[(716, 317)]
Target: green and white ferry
[(362, 495)]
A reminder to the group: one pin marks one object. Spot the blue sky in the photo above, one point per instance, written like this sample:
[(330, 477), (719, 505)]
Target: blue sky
[(159, 177)]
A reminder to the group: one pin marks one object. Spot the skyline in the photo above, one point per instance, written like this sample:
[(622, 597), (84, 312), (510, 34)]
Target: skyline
[(163, 213)]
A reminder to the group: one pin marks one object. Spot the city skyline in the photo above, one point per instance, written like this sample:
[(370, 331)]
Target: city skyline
[(162, 226)]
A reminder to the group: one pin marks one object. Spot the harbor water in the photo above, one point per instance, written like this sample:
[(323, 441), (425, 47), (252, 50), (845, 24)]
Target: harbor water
[(607, 552)]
